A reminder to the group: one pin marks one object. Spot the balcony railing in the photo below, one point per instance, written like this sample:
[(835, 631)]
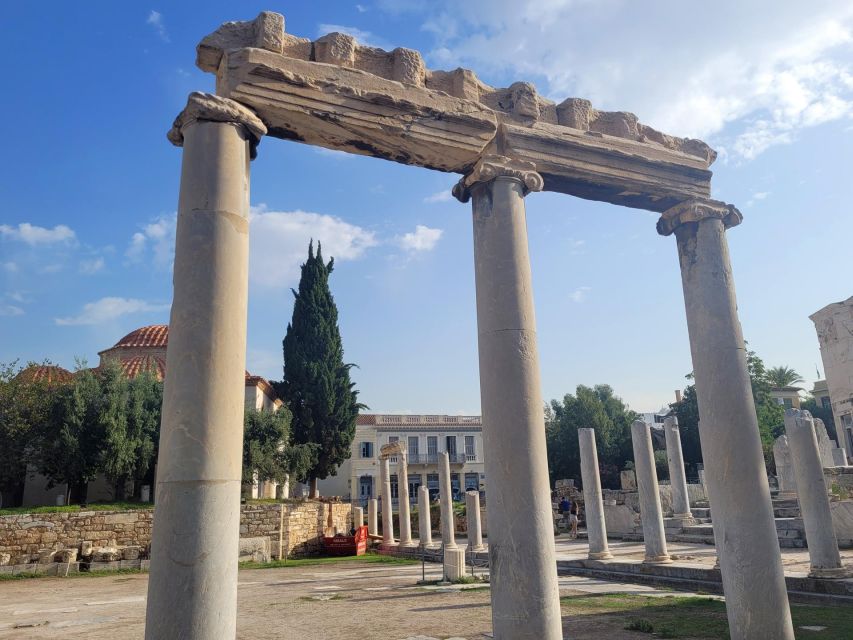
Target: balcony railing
[(435, 458)]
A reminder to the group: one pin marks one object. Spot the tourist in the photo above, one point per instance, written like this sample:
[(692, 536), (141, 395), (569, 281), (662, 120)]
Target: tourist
[(565, 505), (573, 520)]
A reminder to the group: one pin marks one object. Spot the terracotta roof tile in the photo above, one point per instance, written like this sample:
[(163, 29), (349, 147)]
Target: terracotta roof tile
[(155, 335)]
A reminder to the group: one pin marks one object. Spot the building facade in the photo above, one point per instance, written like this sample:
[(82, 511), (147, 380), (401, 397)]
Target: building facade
[(834, 326), (425, 436)]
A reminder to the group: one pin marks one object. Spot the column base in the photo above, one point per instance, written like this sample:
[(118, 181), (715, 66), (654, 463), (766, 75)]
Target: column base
[(657, 560), (599, 555), (836, 573), (408, 544), (454, 564), (478, 548)]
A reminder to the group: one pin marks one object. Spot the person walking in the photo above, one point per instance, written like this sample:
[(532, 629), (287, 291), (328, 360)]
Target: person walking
[(573, 520)]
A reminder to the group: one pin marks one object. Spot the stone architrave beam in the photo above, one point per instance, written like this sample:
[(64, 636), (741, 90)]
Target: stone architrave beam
[(338, 94)]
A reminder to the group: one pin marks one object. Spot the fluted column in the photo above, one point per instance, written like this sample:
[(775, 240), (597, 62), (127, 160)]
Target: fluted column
[(403, 500), (448, 531), (387, 504), (596, 529), (744, 528), (814, 499), (654, 535), (524, 590), (424, 516), (192, 589), (677, 476)]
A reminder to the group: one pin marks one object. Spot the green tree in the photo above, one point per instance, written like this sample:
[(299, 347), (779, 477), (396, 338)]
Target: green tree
[(69, 445), (24, 406), (145, 399), (267, 450), (317, 385), (118, 449), (597, 408), (770, 414), (779, 377), (825, 414)]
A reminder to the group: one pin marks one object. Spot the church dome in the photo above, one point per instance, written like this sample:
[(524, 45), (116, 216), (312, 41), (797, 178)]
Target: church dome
[(48, 373), (155, 335), (132, 367)]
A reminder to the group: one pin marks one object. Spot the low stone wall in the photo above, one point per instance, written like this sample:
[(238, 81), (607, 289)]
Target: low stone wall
[(622, 508), (28, 538)]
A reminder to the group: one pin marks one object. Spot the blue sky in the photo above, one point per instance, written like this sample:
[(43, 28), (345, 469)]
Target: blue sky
[(89, 187)]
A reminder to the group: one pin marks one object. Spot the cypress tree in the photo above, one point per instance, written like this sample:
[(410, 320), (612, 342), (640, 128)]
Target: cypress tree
[(317, 386)]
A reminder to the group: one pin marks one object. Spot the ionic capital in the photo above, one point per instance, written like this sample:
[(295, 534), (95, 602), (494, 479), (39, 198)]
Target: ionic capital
[(207, 107), (696, 210), (494, 166)]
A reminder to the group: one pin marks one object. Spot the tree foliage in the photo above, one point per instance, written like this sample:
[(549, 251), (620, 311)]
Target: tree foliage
[(770, 414), (268, 454), (783, 376), (317, 385), (597, 408), (825, 414)]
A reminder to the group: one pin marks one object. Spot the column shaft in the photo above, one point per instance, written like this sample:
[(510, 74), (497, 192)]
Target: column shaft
[(647, 484), (524, 589), (387, 504), (814, 500), (736, 480), (372, 517), (448, 530), (424, 516), (594, 507), (403, 500), (472, 516), (677, 475), (357, 517), (192, 589)]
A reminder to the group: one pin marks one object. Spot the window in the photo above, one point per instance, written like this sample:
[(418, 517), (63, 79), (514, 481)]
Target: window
[(432, 480), (470, 451), (414, 485), (394, 487), (825, 402), (432, 445), (472, 481), (366, 449), (413, 445), (788, 403), (450, 445)]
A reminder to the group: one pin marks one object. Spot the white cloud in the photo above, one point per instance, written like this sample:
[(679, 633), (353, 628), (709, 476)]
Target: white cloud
[(110, 308), (10, 267), (733, 71), (445, 195), (10, 310), (155, 20), (34, 235), (89, 267), (279, 243), (363, 37), (160, 237), (757, 197), (422, 238), (360, 8), (580, 294)]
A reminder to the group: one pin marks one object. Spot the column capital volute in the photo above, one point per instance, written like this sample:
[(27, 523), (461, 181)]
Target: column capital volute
[(696, 210), (207, 107), (491, 166)]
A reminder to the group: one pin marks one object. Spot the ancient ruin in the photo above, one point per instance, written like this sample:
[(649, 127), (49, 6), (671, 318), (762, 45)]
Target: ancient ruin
[(506, 143)]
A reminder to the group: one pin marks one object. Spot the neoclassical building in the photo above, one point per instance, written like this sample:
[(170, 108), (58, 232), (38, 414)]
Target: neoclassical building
[(425, 436)]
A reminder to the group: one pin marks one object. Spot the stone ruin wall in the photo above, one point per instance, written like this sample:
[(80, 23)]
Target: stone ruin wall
[(23, 536)]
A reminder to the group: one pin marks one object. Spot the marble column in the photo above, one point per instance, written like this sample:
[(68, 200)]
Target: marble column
[(372, 517), (524, 591), (814, 499), (596, 530), (357, 517), (404, 510), (651, 515), (736, 481), (387, 503), (677, 476), (448, 531), (196, 527), (472, 517), (424, 516), (785, 477)]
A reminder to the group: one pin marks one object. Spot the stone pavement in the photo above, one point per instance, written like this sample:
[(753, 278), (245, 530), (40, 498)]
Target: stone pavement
[(327, 602)]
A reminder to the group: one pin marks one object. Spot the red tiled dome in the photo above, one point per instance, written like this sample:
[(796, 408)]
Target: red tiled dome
[(132, 367), (51, 374), (155, 335)]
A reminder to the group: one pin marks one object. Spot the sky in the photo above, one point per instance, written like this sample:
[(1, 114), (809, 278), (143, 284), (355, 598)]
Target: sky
[(89, 186)]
